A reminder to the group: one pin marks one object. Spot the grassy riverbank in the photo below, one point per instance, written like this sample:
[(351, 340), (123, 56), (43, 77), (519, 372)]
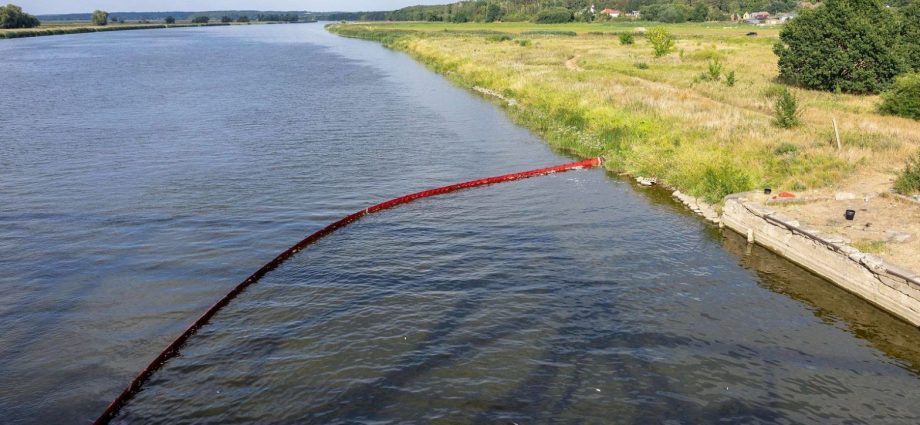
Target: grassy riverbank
[(587, 94), (85, 27)]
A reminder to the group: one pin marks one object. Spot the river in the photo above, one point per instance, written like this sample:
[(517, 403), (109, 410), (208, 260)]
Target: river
[(144, 173)]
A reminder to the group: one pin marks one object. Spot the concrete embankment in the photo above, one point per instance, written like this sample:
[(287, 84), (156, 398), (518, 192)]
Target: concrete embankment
[(889, 287)]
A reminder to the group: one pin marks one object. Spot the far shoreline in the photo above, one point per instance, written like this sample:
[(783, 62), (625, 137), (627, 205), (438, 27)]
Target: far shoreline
[(89, 28)]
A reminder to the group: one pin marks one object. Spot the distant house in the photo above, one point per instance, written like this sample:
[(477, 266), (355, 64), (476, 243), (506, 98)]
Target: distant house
[(634, 15), (613, 13)]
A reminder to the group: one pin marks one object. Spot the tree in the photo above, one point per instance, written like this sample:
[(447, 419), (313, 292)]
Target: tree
[(226, 19), (201, 20), (100, 17), (661, 39), (554, 15), (493, 12), (12, 16), (170, 20), (903, 98), (850, 45), (242, 19), (910, 33)]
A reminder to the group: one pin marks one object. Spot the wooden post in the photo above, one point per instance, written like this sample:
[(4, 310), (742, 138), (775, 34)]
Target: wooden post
[(836, 133)]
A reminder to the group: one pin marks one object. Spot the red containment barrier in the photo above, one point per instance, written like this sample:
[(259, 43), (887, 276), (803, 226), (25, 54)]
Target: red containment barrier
[(173, 348)]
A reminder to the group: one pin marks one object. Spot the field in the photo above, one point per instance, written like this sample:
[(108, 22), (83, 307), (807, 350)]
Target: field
[(586, 94)]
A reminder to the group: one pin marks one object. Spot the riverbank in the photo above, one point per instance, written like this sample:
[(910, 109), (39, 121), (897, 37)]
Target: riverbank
[(588, 95), (62, 29)]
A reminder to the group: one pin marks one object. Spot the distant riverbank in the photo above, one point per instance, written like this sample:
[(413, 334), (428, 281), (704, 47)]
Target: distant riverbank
[(79, 28)]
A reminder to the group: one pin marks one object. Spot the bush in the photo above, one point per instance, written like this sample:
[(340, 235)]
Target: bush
[(226, 19), (908, 180), (730, 79), (100, 17), (498, 38), (910, 34), (554, 15), (661, 39), (626, 39), (853, 44), (201, 20), (903, 98), (12, 16), (243, 19), (715, 70), (523, 42), (786, 110), (170, 20), (641, 65)]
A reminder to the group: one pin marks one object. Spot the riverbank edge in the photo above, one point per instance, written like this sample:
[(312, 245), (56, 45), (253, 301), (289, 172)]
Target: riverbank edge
[(42, 32), (889, 287)]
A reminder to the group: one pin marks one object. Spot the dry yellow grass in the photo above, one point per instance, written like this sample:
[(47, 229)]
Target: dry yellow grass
[(703, 137)]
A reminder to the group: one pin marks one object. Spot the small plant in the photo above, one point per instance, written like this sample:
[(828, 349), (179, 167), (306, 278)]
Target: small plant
[(786, 112), (661, 39), (786, 149), (498, 38), (903, 98), (641, 65), (730, 78), (523, 42), (908, 180), (626, 39), (715, 70)]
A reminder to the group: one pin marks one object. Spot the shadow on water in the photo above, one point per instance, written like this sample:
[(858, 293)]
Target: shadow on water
[(829, 302)]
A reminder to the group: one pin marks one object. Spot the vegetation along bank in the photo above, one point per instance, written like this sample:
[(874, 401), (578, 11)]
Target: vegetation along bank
[(699, 105)]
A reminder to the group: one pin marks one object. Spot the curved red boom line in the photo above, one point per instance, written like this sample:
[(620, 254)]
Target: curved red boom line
[(173, 348)]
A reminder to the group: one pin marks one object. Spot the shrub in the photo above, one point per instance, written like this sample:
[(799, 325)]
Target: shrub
[(908, 180), (12, 16), (226, 19), (715, 70), (170, 20), (523, 42), (723, 180), (498, 38), (903, 98), (661, 39), (100, 17), (201, 20), (554, 15), (786, 110), (641, 65), (730, 78), (243, 19), (910, 34), (626, 39), (853, 44)]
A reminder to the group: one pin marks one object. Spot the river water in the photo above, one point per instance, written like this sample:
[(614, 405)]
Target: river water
[(144, 173)]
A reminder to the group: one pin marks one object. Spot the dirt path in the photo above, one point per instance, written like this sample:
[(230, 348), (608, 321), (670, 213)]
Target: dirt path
[(572, 64)]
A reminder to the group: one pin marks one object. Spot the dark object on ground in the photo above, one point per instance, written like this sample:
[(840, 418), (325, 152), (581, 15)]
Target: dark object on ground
[(767, 191), (751, 34), (850, 214)]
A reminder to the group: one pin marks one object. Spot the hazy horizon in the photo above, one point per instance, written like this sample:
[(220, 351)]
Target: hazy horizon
[(54, 7)]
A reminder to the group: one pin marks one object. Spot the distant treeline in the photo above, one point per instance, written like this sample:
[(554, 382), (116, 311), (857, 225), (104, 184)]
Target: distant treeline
[(213, 14), (579, 10)]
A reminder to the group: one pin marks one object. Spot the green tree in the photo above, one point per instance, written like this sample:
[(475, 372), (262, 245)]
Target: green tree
[(493, 12), (201, 20), (850, 44), (100, 17), (786, 110), (554, 15), (903, 98), (242, 19), (12, 16), (226, 19), (661, 39), (910, 34), (170, 20)]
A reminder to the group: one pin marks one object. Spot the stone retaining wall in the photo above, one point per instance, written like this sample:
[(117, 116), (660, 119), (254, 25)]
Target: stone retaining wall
[(889, 287)]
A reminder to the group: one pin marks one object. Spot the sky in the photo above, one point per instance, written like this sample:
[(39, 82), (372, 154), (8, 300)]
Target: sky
[(44, 7)]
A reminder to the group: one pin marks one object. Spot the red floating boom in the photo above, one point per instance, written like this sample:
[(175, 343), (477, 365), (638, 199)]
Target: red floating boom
[(173, 348)]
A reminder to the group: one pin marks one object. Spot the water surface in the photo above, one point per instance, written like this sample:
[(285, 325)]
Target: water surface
[(144, 173)]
